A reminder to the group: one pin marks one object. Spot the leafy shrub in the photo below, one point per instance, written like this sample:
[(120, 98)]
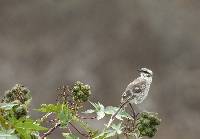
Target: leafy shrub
[(67, 113)]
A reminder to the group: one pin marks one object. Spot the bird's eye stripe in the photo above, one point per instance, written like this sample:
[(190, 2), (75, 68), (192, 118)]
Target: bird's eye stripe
[(146, 72)]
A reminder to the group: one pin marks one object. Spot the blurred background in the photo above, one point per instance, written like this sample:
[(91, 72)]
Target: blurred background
[(48, 43)]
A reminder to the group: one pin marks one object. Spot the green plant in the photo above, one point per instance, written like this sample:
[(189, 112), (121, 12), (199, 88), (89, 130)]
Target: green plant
[(67, 113)]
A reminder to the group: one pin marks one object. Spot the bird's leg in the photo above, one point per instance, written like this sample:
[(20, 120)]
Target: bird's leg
[(135, 115), (133, 111), (115, 114)]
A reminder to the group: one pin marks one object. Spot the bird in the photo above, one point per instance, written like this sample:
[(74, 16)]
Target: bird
[(137, 91)]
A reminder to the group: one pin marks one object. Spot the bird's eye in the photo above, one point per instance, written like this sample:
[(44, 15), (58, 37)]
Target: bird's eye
[(148, 75), (146, 72)]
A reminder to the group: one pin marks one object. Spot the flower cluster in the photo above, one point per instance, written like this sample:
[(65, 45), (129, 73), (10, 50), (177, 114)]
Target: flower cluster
[(20, 96), (67, 113), (81, 92), (147, 124)]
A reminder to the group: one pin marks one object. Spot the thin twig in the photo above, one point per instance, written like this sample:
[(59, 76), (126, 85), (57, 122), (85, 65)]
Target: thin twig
[(134, 115), (82, 117), (50, 131), (114, 115), (45, 116), (52, 121), (83, 134)]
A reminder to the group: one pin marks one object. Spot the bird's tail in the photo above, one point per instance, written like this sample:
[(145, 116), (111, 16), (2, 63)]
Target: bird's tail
[(122, 105)]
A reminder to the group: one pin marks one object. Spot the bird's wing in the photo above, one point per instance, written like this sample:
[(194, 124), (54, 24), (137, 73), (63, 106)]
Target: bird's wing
[(137, 86), (133, 88)]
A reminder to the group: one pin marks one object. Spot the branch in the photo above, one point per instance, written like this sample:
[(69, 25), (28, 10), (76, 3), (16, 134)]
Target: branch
[(45, 117), (83, 134), (82, 117), (114, 115), (50, 131)]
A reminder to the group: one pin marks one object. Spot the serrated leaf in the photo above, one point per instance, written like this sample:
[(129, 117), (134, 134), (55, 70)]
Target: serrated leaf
[(29, 125), (25, 127), (24, 134), (64, 116), (99, 109), (100, 115), (50, 108), (106, 134), (61, 110), (118, 128), (94, 105), (111, 133), (8, 136), (110, 110), (114, 130)]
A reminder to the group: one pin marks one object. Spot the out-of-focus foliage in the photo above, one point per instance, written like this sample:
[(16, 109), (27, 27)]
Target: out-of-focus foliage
[(81, 92), (148, 124), (16, 123), (14, 119)]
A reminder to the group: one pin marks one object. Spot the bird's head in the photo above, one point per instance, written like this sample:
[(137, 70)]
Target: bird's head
[(144, 72)]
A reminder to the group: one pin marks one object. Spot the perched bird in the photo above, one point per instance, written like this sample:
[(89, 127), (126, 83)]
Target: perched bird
[(138, 90), (135, 92)]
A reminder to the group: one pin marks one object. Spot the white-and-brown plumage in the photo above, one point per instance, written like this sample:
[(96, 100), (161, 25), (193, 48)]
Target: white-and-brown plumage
[(138, 90), (135, 92)]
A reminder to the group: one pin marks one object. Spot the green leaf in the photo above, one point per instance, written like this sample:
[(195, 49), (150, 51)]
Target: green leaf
[(70, 136), (106, 134), (8, 134), (62, 112), (114, 130), (24, 134), (7, 106), (29, 125), (99, 109), (100, 115), (95, 105), (118, 128), (25, 127), (110, 110), (50, 108), (65, 116), (110, 133)]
